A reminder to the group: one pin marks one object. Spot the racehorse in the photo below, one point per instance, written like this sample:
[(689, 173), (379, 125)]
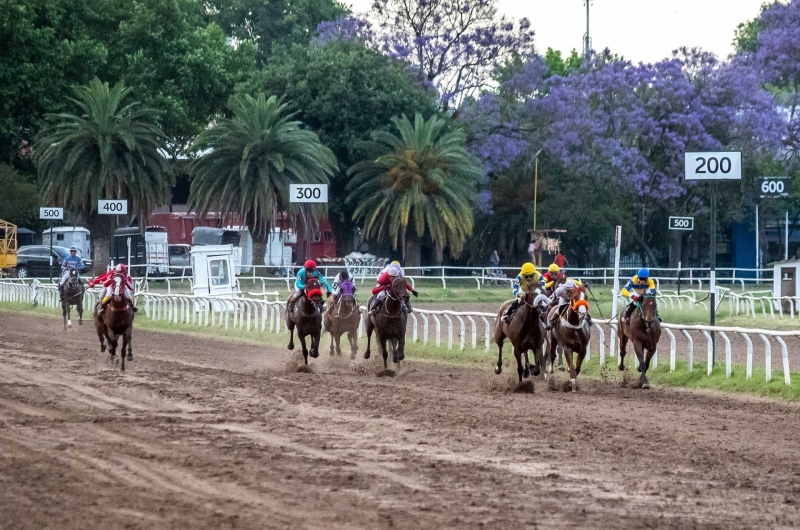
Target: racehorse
[(73, 296), (343, 317), (525, 331), (115, 322), (306, 316), (643, 329), (572, 332), (389, 323)]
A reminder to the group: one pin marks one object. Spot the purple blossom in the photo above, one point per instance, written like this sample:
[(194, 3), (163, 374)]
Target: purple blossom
[(347, 28)]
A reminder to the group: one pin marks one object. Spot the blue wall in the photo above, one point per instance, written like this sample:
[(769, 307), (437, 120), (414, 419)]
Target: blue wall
[(743, 249)]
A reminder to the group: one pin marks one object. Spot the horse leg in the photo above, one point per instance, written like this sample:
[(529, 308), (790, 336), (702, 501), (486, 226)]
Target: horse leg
[(384, 352), (560, 350), (572, 373), (122, 350), (645, 365), (498, 369), (315, 345), (64, 314), (352, 336), (80, 312), (102, 336), (291, 335), (368, 326), (400, 349), (129, 342), (623, 343), (303, 345), (339, 343), (538, 360), (518, 356), (112, 343), (526, 368)]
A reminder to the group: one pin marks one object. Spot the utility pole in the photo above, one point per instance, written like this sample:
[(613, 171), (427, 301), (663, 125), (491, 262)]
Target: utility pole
[(587, 41)]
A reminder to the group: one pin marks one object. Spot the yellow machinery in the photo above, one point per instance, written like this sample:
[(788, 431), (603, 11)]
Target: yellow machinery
[(8, 247)]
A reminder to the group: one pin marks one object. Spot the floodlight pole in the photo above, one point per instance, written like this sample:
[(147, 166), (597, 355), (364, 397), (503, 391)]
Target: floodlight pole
[(587, 41)]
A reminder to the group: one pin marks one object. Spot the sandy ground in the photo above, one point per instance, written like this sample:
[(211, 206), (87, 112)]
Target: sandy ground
[(199, 433)]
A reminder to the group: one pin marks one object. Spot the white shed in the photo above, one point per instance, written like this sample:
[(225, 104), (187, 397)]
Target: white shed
[(213, 271), (785, 280), (69, 236)]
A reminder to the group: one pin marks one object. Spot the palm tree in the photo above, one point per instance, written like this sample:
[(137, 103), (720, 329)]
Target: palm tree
[(108, 150), (249, 161), (424, 177)]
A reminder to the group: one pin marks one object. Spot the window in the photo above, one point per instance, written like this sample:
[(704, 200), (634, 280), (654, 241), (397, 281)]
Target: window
[(316, 236), (218, 271), (59, 237), (87, 237)]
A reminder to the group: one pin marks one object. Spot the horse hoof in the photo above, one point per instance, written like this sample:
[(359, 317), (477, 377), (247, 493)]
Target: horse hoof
[(498, 370), (536, 371), (645, 386), (574, 385), (366, 354), (291, 346), (621, 367), (80, 322), (526, 373), (314, 354), (130, 356), (399, 357)]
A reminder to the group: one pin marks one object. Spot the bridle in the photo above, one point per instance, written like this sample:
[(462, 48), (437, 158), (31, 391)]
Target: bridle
[(390, 294), (639, 306)]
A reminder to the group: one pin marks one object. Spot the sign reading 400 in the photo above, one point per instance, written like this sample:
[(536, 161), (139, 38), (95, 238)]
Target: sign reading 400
[(117, 207), (308, 193)]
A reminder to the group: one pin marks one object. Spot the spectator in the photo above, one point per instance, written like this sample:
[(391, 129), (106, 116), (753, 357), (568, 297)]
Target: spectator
[(561, 260), (494, 259)]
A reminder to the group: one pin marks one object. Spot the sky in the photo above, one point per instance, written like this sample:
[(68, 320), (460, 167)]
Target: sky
[(639, 30)]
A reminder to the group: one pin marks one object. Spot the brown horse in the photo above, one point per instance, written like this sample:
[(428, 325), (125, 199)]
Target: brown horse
[(342, 317), (115, 322), (389, 323), (525, 331), (572, 332), (73, 296), (643, 329), (306, 316)]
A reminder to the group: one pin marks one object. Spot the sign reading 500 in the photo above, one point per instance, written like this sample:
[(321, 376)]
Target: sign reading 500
[(316, 193)]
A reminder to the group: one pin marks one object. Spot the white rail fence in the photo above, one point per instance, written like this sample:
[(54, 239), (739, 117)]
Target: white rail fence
[(448, 329)]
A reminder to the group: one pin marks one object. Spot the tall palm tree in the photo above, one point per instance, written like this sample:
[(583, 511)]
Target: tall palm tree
[(110, 149), (424, 177), (248, 162)]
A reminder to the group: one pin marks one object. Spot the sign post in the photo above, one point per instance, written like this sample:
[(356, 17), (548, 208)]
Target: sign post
[(713, 166), (51, 214), (774, 188), (305, 194), (113, 207), (617, 246)]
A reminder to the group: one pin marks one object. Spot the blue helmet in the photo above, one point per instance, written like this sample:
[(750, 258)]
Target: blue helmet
[(73, 248), (643, 273)]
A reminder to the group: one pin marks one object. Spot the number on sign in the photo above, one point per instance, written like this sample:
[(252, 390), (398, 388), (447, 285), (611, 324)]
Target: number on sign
[(308, 193), (713, 165), (772, 186)]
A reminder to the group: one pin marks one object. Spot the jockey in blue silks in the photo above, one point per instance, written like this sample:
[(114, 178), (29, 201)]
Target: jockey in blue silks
[(308, 271), (73, 261)]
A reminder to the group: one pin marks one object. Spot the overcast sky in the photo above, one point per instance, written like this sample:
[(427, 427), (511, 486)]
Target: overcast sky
[(640, 30)]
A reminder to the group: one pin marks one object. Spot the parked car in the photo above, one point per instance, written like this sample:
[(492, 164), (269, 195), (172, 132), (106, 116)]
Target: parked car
[(180, 256), (34, 261)]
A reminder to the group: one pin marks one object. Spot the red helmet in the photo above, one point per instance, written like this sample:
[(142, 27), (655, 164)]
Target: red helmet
[(122, 268), (310, 265)]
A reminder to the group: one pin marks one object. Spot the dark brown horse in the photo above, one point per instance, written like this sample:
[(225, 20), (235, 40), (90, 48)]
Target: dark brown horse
[(306, 316), (643, 330), (572, 332), (389, 323), (525, 331), (73, 296), (342, 317), (115, 322)]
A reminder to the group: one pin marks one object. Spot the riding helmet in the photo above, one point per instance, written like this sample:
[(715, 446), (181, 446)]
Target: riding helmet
[(643, 273), (528, 268), (73, 248), (553, 268), (345, 275), (310, 265), (394, 270)]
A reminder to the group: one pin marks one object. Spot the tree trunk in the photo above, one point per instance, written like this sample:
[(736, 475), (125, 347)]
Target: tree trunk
[(647, 251), (411, 253), (259, 249), (102, 232), (675, 249)]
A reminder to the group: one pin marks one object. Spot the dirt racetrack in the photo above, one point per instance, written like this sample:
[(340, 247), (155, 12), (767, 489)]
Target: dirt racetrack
[(201, 434)]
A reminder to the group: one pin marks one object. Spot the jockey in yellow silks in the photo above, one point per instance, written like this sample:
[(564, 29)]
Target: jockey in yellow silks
[(637, 287), (527, 272)]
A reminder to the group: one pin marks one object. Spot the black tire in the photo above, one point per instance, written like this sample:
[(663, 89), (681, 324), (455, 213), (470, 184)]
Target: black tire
[(22, 272)]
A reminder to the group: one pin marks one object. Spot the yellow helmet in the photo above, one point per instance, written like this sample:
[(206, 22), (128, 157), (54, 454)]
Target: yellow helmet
[(553, 268), (396, 263), (528, 268)]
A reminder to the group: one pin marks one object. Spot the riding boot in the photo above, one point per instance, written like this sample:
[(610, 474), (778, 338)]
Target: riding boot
[(408, 307), (589, 320), (510, 311), (628, 311), (60, 292), (376, 304)]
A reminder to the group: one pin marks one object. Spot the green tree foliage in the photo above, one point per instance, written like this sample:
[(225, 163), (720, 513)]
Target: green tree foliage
[(559, 65), (271, 24), (110, 149), (423, 178), (745, 37), (19, 200), (344, 91), (248, 162)]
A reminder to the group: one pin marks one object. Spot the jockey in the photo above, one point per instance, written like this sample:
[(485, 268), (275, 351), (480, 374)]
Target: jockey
[(108, 286), (73, 261), (563, 295), (636, 287), (308, 271), (342, 277), (553, 273), (527, 272), (395, 263), (384, 282)]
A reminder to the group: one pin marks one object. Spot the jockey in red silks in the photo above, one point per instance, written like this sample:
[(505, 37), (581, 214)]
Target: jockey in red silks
[(107, 280), (385, 280)]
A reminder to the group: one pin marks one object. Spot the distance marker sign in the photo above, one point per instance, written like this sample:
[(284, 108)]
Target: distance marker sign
[(117, 207), (681, 223), (712, 165), (774, 187), (308, 193), (51, 213)]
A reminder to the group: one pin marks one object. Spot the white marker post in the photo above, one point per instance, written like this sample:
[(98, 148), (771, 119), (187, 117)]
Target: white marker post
[(713, 166), (305, 194), (50, 214), (617, 245)]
